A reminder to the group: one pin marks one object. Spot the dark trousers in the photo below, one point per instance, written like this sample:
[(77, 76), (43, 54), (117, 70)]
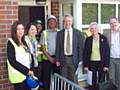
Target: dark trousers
[(46, 74), (47, 70), (55, 69), (97, 70), (68, 69), (21, 86), (39, 71)]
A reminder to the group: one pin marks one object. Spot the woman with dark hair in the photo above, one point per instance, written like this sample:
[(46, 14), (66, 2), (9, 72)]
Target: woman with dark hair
[(19, 60), (31, 41)]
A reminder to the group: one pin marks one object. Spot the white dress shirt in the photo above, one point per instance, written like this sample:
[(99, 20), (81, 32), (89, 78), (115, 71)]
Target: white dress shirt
[(71, 37), (115, 45)]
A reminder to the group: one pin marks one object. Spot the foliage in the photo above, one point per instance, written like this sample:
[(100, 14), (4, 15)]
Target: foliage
[(89, 13), (107, 11)]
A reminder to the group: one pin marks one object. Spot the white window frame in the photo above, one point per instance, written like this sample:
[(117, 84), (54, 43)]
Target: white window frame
[(103, 26), (61, 13)]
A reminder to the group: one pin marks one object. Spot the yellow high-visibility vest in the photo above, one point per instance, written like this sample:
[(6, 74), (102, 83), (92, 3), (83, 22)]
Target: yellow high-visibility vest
[(45, 34), (22, 57)]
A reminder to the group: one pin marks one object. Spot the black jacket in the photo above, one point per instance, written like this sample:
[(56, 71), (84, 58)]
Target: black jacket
[(104, 51)]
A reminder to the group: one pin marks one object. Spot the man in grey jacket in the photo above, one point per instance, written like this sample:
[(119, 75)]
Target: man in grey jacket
[(113, 36), (69, 56)]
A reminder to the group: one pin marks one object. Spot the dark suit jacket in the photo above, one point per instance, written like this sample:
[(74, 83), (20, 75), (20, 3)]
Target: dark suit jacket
[(77, 44), (104, 51)]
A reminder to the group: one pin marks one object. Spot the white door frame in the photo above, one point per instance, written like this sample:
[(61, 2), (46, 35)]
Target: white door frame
[(47, 5)]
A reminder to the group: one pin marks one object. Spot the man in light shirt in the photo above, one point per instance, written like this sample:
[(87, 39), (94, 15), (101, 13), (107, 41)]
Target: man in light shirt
[(113, 36), (48, 43)]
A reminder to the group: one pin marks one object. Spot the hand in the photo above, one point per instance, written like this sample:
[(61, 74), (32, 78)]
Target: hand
[(80, 63), (52, 60), (57, 63), (30, 73), (37, 54), (105, 69), (86, 68)]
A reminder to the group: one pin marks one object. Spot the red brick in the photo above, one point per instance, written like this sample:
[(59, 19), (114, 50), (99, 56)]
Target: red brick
[(3, 40), (2, 7), (2, 16), (4, 31), (15, 3), (12, 16), (55, 8), (3, 2), (8, 14), (3, 72), (11, 7), (7, 85), (2, 27), (15, 12), (5, 12), (3, 81), (6, 21)]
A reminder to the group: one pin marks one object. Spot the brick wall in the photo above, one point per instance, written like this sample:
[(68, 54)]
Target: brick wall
[(8, 14), (55, 8)]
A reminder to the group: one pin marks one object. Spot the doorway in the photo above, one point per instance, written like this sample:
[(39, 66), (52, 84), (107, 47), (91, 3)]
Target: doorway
[(28, 14)]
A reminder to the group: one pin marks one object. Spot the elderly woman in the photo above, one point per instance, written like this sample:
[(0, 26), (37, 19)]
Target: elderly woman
[(96, 55)]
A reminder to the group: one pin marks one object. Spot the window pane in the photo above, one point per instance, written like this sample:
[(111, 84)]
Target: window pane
[(119, 13), (89, 13), (67, 9), (107, 11)]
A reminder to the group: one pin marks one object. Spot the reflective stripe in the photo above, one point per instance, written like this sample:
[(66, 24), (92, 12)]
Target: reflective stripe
[(14, 75), (45, 33)]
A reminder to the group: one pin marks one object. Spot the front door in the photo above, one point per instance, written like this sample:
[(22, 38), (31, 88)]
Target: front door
[(29, 14), (37, 13)]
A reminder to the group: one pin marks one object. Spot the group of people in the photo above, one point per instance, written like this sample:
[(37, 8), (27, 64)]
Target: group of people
[(101, 53), (33, 51)]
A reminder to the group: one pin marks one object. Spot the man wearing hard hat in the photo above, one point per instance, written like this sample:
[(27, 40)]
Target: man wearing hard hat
[(48, 42)]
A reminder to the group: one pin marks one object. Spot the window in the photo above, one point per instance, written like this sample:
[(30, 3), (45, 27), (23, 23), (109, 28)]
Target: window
[(107, 11), (89, 13), (119, 12), (100, 13), (67, 8)]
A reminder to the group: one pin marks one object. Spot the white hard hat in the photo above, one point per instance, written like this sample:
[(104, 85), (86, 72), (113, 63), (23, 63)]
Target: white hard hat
[(38, 22), (52, 17)]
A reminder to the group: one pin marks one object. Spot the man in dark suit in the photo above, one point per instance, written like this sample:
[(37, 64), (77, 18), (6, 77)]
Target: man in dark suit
[(69, 47)]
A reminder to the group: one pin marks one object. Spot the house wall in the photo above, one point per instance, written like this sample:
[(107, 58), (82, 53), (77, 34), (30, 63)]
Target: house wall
[(8, 14), (55, 9)]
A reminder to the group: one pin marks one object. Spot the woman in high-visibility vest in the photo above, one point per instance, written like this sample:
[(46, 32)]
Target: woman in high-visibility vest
[(19, 62), (31, 41), (30, 38)]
